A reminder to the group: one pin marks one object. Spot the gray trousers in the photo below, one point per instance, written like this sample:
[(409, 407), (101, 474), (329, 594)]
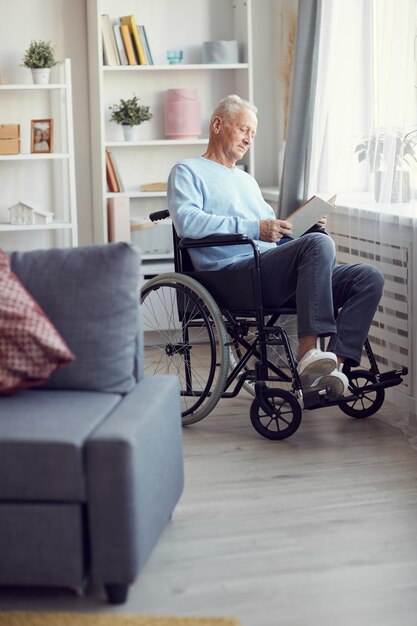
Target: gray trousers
[(304, 272)]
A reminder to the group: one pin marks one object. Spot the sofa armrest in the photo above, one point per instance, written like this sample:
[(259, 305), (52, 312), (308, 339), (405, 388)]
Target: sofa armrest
[(134, 467)]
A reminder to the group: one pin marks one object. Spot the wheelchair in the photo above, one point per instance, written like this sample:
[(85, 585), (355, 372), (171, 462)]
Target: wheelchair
[(210, 328)]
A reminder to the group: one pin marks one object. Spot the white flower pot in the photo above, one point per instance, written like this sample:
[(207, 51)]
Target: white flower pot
[(41, 76), (130, 133)]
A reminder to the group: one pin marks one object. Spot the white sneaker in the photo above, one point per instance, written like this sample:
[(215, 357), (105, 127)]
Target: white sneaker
[(336, 382), (314, 365)]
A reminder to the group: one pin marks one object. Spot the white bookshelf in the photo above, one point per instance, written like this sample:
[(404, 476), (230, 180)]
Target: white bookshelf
[(169, 25), (55, 225), (35, 157), (45, 181), (180, 67), (27, 87)]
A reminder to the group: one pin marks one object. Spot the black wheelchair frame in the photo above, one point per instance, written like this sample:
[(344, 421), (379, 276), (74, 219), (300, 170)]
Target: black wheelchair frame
[(218, 309)]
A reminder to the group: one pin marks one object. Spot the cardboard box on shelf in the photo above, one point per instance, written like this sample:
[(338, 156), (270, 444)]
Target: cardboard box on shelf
[(9, 131), (9, 138), (9, 146)]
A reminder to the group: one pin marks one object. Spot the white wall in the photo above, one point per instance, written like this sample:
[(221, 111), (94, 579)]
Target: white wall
[(64, 23), (269, 43)]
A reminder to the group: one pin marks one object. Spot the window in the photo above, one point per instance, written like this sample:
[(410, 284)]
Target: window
[(365, 120)]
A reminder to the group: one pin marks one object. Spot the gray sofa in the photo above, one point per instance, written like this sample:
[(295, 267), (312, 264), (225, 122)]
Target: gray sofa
[(91, 463)]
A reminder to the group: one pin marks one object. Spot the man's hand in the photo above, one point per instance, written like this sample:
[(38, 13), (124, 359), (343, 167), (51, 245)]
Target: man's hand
[(273, 230)]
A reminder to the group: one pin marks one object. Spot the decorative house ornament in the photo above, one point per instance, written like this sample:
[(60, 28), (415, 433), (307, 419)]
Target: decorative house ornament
[(21, 214), (182, 114)]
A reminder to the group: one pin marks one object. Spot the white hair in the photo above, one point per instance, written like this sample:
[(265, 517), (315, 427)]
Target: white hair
[(230, 105)]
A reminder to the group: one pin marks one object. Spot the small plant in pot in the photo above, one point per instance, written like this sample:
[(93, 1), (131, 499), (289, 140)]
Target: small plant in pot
[(130, 114), (40, 58), (389, 156)]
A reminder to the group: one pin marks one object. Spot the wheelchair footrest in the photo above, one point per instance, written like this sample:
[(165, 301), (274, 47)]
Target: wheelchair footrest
[(393, 377), (314, 399)]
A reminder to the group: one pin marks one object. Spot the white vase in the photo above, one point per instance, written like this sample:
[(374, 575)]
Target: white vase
[(41, 75), (182, 114), (130, 133)]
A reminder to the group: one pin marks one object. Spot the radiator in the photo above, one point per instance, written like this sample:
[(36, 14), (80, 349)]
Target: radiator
[(390, 330)]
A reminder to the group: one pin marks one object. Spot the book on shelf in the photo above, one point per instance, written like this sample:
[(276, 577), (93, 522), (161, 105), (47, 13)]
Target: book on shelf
[(120, 45), (111, 181), (141, 224), (130, 21), (308, 214), (144, 37), (116, 170), (111, 174), (127, 42), (110, 51), (154, 186), (118, 219)]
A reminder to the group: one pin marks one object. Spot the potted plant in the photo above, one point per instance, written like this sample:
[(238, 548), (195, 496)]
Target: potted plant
[(400, 149), (130, 114), (40, 58)]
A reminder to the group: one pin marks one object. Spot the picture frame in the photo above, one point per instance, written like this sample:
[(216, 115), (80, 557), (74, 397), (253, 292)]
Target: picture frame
[(42, 136)]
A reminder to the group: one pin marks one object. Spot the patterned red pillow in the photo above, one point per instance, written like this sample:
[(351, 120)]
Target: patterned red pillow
[(30, 347)]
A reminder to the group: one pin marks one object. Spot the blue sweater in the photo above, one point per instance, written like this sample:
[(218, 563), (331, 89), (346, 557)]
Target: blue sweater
[(206, 198)]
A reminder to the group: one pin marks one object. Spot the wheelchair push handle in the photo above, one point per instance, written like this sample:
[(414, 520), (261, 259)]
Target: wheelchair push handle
[(159, 215)]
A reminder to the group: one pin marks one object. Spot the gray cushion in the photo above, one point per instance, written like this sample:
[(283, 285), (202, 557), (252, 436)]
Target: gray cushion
[(91, 295), (42, 434)]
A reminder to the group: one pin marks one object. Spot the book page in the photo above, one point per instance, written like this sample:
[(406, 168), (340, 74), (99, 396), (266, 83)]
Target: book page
[(309, 214)]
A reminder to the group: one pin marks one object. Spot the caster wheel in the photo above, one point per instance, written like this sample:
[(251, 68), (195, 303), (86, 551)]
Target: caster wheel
[(282, 418), (367, 402)]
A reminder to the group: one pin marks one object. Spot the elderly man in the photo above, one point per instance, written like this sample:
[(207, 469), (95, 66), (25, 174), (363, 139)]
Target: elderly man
[(209, 195)]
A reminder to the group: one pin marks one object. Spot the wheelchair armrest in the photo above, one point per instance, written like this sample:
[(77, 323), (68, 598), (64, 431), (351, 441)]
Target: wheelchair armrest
[(229, 239), (213, 240)]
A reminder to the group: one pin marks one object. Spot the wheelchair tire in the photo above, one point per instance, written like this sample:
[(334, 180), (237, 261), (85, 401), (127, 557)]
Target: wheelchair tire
[(195, 349), (367, 402), (282, 418)]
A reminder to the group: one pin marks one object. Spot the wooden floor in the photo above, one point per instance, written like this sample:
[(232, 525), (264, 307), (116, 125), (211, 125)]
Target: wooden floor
[(320, 529)]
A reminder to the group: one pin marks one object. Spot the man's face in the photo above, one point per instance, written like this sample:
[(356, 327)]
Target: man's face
[(237, 133)]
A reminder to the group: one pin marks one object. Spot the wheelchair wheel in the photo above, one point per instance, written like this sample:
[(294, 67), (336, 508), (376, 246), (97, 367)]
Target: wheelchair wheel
[(185, 336), (367, 402), (282, 418), (276, 354)]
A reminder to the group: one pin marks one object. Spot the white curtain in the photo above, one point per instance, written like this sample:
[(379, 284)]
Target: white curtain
[(364, 148)]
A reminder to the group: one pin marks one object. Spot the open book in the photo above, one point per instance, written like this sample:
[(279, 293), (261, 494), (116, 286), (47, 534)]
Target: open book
[(309, 214)]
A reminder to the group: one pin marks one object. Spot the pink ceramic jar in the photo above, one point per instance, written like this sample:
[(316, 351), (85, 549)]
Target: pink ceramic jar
[(182, 114)]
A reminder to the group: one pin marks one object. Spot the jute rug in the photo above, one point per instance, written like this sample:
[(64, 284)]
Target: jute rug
[(82, 619)]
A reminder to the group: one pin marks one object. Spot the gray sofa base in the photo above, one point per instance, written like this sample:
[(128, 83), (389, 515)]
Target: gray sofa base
[(40, 543), (132, 463), (91, 463)]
